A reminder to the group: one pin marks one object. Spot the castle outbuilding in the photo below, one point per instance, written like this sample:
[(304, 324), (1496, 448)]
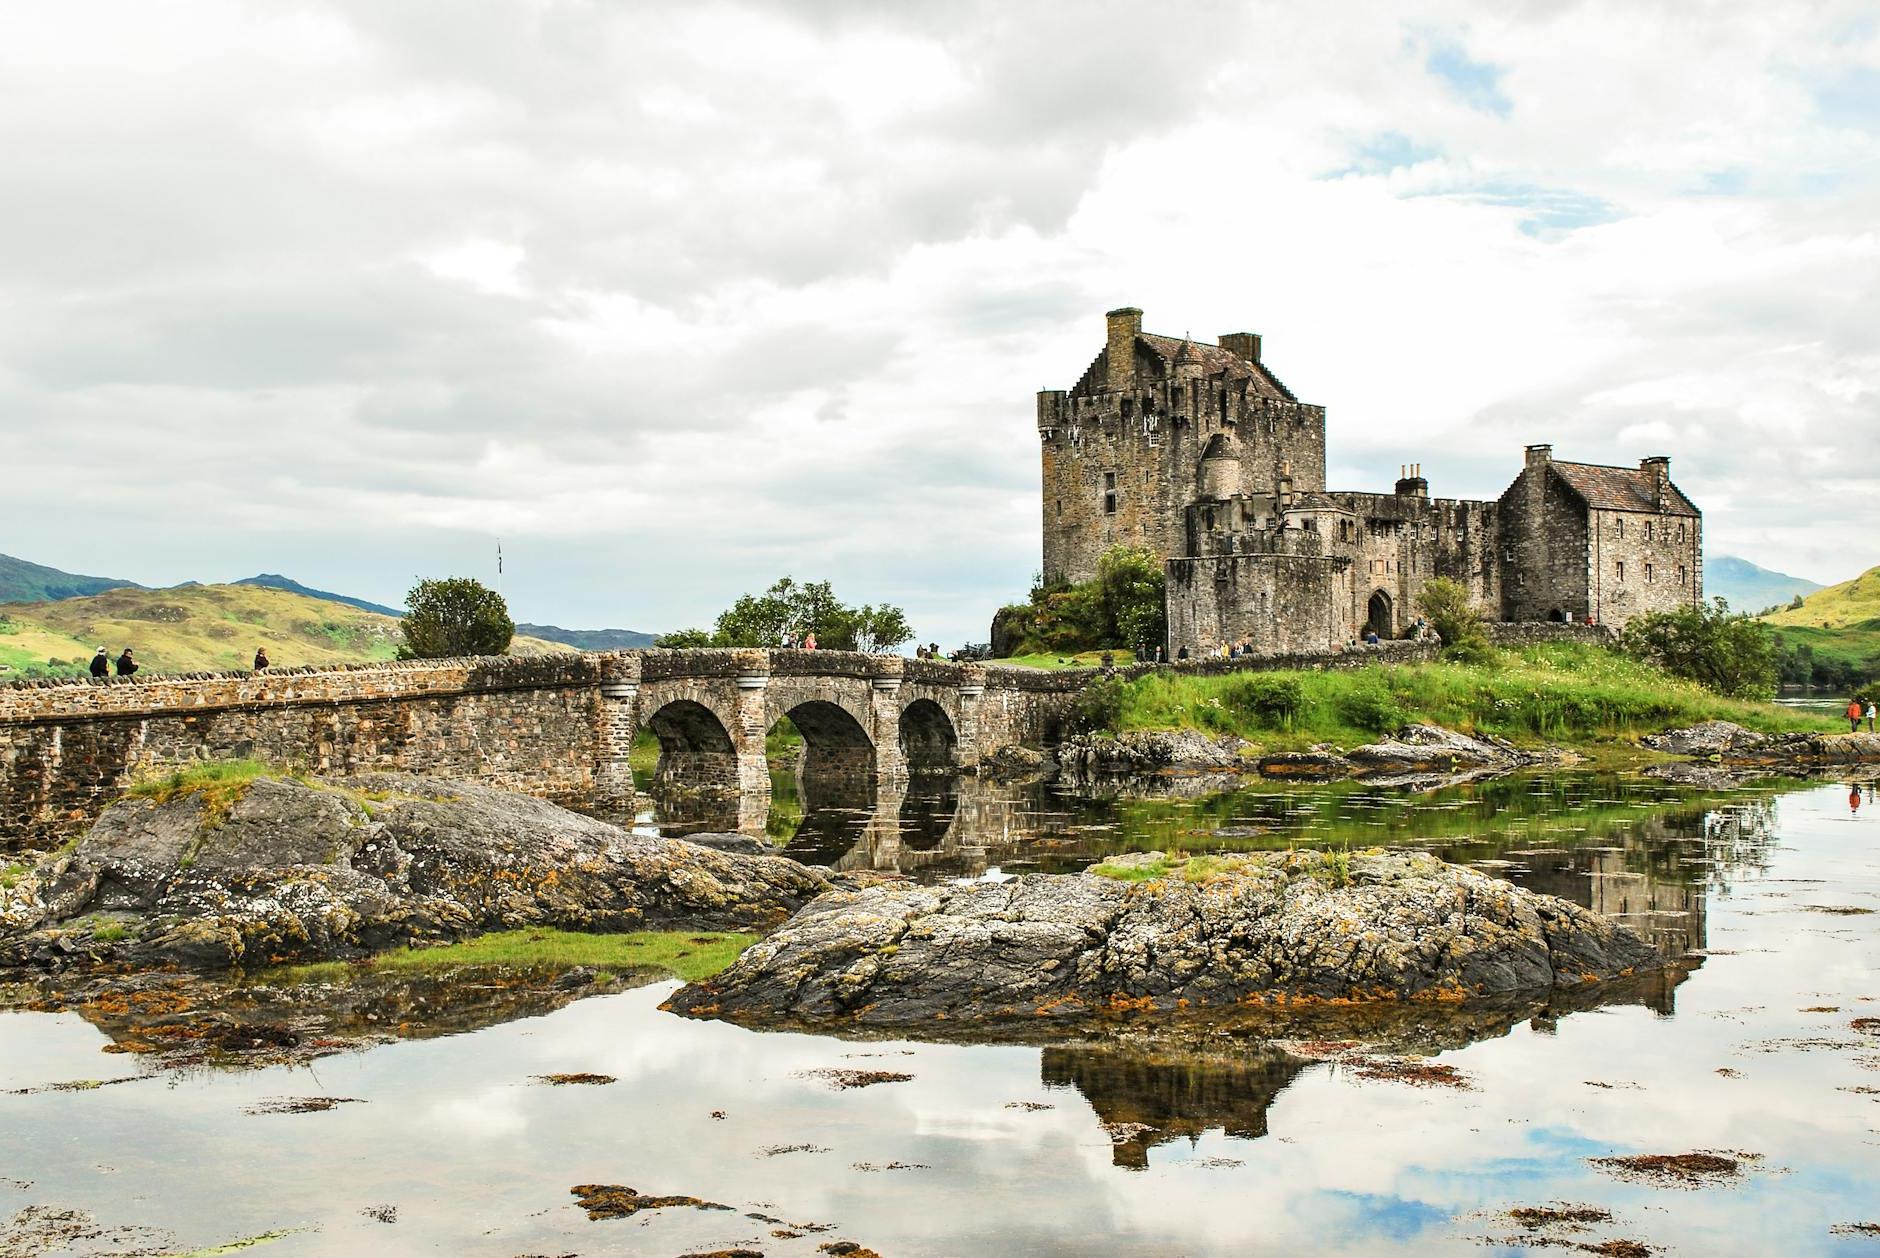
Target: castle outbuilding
[(1201, 454)]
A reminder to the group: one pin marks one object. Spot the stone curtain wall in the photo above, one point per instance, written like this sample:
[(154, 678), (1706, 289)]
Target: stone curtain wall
[(530, 725), (1529, 632)]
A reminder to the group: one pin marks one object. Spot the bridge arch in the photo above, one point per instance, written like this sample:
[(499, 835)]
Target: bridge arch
[(929, 741), (837, 749), (696, 749)]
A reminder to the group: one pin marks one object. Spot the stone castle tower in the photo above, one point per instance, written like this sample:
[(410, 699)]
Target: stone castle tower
[(1201, 454)]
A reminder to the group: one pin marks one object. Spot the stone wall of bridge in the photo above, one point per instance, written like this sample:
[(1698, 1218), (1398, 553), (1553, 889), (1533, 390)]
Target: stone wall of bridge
[(558, 726)]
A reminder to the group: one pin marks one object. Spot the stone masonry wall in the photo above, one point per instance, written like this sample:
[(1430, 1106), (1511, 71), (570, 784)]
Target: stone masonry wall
[(526, 724), (1643, 562)]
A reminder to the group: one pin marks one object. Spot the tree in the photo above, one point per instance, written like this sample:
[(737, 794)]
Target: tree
[(1723, 651), (1122, 606), (454, 616), (1130, 595), (879, 628), (1451, 613), (761, 620)]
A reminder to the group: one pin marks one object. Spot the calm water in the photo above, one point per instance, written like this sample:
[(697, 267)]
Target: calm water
[(1226, 1148)]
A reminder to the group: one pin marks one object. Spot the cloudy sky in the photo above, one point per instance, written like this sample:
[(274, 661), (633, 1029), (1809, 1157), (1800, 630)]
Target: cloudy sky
[(676, 298)]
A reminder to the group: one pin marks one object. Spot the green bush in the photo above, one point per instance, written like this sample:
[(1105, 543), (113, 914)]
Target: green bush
[(1371, 706), (1728, 653), (1271, 702), (1098, 707)]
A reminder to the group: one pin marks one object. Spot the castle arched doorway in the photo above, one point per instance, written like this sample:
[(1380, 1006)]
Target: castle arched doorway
[(1378, 616)]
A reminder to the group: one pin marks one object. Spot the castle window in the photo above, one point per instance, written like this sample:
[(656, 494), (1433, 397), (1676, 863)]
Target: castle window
[(1129, 408), (1680, 574), (1109, 493), (1060, 508), (1680, 532), (1648, 569), (1648, 537), (1621, 527), (1621, 569)]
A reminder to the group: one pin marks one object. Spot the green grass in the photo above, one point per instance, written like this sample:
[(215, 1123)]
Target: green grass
[(1082, 659), (220, 783), (1556, 693), (691, 955), (1145, 871)]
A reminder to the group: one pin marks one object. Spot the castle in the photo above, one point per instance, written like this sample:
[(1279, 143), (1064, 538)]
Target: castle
[(1201, 454)]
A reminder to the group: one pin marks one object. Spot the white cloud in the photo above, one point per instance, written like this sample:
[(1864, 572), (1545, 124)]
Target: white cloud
[(679, 300)]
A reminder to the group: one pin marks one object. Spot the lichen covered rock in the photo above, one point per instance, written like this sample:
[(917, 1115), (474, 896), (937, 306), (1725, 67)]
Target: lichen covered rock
[(1214, 931), (308, 869)]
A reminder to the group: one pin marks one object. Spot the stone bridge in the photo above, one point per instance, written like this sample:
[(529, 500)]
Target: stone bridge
[(561, 726)]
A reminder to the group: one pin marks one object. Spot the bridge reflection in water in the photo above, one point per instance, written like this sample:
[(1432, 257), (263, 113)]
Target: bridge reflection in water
[(1642, 851)]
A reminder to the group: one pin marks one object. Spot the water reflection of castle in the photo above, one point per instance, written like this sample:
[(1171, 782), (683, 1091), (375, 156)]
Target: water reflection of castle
[(1651, 869)]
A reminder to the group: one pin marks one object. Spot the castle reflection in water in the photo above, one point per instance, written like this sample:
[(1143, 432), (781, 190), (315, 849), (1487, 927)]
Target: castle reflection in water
[(1644, 852)]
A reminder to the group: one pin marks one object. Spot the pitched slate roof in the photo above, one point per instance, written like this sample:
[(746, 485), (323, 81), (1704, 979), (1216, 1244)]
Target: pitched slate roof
[(1620, 488), (1216, 361)]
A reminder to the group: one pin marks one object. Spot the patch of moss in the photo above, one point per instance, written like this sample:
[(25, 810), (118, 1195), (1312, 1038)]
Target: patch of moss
[(1142, 871), (219, 784), (685, 954)]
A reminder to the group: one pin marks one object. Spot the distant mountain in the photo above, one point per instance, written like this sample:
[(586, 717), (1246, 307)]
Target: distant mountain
[(275, 581), (589, 639), (1750, 588), (23, 582)]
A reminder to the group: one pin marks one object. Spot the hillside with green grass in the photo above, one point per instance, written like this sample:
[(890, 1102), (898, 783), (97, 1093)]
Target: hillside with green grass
[(1840, 623), (192, 628), (1558, 693)]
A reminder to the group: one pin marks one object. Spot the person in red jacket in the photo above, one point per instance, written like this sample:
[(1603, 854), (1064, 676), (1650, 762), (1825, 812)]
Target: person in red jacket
[(1854, 711)]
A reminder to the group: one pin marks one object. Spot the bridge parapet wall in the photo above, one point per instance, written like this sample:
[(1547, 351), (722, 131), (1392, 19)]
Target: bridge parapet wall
[(528, 724)]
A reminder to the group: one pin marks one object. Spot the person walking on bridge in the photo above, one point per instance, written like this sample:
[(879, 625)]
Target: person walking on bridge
[(1872, 712), (125, 664), (1854, 712), (101, 663)]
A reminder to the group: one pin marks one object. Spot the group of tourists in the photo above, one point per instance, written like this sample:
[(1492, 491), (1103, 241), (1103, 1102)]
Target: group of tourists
[(127, 662), (1856, 709), (101, 663), (791, 642)]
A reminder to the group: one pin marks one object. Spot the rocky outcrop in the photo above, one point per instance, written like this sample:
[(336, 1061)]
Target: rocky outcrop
[(303, 870), (1432, 749), (1709, 738), (1215, 931), (1147, 751), (1729, 743)]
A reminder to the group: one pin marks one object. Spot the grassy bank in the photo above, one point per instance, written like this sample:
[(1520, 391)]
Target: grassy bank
[(1556, 693), (690, 955)]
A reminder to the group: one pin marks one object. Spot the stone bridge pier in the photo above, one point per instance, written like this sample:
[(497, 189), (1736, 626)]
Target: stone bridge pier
[(866, 721)]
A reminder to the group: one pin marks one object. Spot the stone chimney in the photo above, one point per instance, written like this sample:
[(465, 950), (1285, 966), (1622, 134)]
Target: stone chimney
[(1410, 482), (1539, 456), (1242, 344), (1120, 350), (1658, 468)]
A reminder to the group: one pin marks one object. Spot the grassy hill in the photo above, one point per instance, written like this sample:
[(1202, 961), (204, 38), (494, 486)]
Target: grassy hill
[(25, 582), (191, 628), (1839, 623)]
